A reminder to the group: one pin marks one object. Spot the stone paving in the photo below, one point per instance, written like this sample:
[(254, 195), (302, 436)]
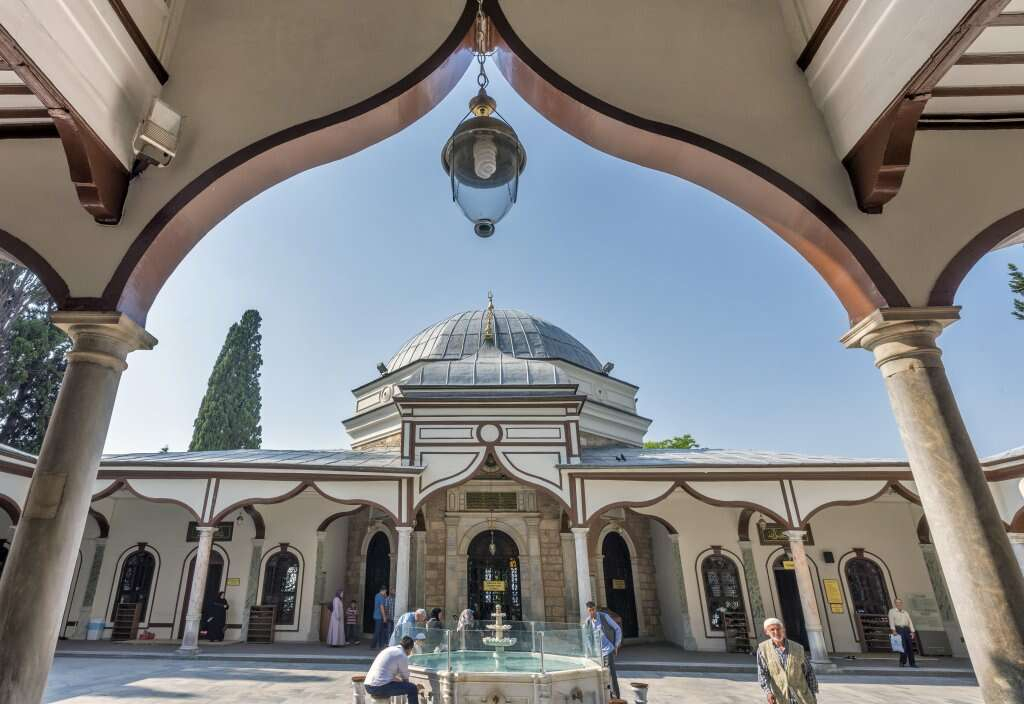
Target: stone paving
[(87, 680)]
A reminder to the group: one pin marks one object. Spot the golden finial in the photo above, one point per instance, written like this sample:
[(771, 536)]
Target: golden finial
[(489, 318)]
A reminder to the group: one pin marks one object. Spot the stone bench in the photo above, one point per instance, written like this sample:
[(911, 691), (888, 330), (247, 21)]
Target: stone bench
[(361, 696)]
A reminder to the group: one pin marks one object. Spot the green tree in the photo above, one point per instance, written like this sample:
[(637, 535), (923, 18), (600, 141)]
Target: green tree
[(1017, 286), (32, 358), (686, 442), (229, 416)]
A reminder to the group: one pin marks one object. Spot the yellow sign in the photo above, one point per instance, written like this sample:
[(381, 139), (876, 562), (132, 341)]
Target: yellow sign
[(233, 582), (833, 594), (494, 585), (618, 584), (836, 608), (788, 565)]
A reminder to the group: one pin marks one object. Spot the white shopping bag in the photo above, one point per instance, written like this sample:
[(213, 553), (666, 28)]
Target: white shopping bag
[(896, 642)]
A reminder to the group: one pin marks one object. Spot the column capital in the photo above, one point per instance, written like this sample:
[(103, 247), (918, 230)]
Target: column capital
[(580, 531), (102, 338), (1016, 538), (404, 530), (796, 536), (205, 530), (746, 544), (321, 536), (902, 338)]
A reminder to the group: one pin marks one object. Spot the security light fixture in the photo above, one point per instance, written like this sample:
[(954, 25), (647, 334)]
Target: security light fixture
[(483, 157), (607, 368), (382, 368)]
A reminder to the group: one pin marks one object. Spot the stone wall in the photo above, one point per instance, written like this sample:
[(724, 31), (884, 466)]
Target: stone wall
[(436, 544), (646, 587), (358, 523), (388, 442), (552, 571)]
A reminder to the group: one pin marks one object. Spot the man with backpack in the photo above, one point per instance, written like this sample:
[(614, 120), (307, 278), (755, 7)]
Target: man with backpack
[(608, 633)]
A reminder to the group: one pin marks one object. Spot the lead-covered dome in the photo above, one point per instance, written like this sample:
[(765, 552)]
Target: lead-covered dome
[(515, 333)]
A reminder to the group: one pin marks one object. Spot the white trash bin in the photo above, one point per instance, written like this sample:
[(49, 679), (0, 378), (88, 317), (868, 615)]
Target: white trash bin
[(95, 629)]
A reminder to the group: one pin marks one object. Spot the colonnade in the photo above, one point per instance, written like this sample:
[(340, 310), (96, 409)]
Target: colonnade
[(980, 566)]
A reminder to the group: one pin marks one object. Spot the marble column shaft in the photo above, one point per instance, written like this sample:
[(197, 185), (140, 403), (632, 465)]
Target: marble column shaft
[(403, 568), (757, 614), (572, 598), (808, 597), (941, 591), (319, 587), (92, 580), (534, 596), (417, 589), (197, 591), (41, 562), (582, 570), (252, 586), (982, 574)]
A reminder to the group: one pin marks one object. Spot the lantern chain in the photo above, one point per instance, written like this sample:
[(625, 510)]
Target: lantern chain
[(481, 45)]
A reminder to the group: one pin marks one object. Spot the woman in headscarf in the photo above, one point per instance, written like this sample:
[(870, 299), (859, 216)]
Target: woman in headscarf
[(336, 625), (435, 619), (466, 619), (217, 616)]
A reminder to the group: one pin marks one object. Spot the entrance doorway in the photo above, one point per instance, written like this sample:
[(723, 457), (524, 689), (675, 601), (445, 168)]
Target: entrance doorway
[(494, 576), (618, 583), (867, 587), (135, 582), (378, 574), (213, 580), (789, 603)]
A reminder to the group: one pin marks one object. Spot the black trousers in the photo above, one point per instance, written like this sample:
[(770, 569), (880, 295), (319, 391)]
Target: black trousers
[(907, 656)]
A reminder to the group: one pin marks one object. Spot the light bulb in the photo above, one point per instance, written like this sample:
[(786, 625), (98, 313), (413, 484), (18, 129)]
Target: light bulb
[(485, 156)]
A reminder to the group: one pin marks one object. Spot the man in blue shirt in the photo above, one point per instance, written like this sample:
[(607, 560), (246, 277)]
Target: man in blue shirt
[(380, 619), (609, 634)]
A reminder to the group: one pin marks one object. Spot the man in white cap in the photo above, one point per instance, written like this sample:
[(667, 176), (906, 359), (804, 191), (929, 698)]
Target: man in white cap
[(783, 669)]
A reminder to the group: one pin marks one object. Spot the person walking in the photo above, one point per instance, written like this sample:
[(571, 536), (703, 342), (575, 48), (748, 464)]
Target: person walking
[(784, 671), (900, 624), (379, 618), (217, 617), (389, 614), (389, 674), (336, 626), (351, 618), (610, 637)]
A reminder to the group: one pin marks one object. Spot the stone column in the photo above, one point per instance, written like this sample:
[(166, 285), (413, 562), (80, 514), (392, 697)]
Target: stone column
[(569, 573), (41, 561), (582, 570), (92, 580), (808, 598), (402, 566), (1017, 541), (942, 599), (319, 586), (252, 586), (454, 586), (190, 639), (757, 614), (689, 642), (983, 576), (535, 592)]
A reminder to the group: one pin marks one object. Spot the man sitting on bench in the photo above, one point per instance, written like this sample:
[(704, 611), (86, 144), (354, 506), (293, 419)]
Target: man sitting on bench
[(389, 674)]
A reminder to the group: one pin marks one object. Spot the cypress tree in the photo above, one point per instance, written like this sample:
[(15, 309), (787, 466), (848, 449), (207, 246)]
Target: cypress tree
[(229, 416)]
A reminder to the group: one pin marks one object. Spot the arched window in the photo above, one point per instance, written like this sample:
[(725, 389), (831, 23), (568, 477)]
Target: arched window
[(722, 589), (136, 579), (868, 592), (281, 586)]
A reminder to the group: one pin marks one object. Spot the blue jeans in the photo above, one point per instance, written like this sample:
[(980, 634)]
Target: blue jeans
[(395, 689), (380, 630)]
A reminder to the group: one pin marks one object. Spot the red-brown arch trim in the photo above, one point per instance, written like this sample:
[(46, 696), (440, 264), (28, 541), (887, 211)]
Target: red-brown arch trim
[(944, 291), (732, 504), (743, 529), (259, 525), (33, 260), (1017, 522), (853, 502), (924, 533), (805, 223), (101, 522), (326, 523), (172, 232), (10, 507)]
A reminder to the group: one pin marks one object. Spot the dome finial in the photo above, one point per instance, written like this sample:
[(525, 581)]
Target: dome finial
[(489, 318)]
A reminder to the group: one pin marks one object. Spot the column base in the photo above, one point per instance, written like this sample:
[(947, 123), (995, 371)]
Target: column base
[(187, 652)]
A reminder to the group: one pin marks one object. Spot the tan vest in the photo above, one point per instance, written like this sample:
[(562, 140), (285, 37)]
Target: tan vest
[(788, 681)]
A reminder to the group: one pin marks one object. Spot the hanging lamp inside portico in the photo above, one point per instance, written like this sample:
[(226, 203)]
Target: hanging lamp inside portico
[(483, 157)]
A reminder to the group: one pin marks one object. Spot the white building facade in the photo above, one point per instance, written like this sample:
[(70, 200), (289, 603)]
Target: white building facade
[(496, 460)]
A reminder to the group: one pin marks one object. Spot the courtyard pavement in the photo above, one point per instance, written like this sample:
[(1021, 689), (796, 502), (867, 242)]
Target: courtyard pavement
[(163, 680)]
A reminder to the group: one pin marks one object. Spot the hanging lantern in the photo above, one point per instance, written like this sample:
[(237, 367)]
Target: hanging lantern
[(483, 157)]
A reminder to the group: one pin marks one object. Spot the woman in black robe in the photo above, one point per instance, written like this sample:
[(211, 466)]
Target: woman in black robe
[(217, 611)]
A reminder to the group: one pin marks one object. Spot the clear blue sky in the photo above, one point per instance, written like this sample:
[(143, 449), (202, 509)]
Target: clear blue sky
[(730, 335)]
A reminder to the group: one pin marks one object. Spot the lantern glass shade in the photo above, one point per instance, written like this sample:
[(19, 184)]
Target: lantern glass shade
[(484, 158)]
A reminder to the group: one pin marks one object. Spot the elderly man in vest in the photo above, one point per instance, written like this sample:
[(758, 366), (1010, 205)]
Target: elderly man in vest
[(783, 669)]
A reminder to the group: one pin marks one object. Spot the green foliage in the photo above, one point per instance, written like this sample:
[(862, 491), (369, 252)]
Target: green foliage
[(1017, 286), (229, 416), (32, 359), (686, 442)]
